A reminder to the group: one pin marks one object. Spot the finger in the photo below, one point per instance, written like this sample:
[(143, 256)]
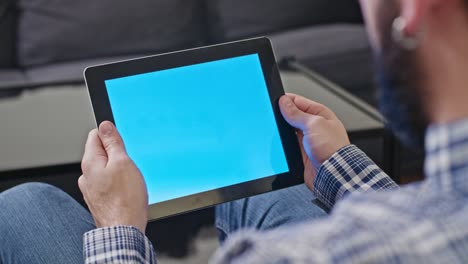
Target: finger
[(292, 114), (111, 140), (83, 188), (81, 184), (94, 154), (300, 137), (312, 107), (309, 169)]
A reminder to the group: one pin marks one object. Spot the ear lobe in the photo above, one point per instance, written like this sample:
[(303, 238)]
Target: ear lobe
[(414, 13)]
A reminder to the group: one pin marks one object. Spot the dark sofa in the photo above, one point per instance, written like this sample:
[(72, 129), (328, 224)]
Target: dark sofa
[(47, 42)]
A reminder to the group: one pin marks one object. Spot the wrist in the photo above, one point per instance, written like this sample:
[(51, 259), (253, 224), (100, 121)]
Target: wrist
[(337, 174)]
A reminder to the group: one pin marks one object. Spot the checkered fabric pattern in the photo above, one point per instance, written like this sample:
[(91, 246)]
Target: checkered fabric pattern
[(349, 170), (377, 222), (372, 221), (119, 244)]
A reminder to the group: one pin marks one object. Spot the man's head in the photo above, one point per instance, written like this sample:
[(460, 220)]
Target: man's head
[(414, 42)]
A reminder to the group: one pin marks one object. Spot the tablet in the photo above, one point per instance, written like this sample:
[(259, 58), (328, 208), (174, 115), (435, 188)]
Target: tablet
[(202, 125)]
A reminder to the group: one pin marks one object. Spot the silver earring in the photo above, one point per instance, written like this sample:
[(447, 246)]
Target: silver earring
[(399, 36)]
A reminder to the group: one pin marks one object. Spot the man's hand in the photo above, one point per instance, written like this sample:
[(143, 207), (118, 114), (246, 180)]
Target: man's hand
[(112, 185), (321, 133)]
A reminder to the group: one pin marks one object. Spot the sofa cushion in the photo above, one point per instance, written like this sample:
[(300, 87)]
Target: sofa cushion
[(7, 33), (62, 30), (234, 19), (67, 72), (339, 52), (12, 80)]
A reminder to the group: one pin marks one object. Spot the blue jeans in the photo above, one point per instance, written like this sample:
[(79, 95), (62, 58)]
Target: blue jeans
[(41, 224), (267, 211)]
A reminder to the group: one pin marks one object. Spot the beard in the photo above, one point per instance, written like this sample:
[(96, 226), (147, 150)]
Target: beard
[(399, 78)]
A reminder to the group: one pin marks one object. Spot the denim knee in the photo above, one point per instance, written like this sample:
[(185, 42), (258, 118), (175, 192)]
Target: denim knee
[(37, 219), (34, 189), (30, 194)]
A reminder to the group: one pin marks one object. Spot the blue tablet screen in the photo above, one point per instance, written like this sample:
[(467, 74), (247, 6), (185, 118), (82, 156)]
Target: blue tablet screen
[(198, 128)]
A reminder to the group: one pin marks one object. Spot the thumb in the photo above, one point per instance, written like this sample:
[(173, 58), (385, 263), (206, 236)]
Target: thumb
[(293, 115), (111, 140)]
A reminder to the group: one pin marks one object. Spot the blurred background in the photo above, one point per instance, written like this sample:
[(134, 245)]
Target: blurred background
[(46, 44)]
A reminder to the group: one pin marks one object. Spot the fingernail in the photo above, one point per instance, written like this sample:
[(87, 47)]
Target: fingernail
[(287, 102), (106, 129)]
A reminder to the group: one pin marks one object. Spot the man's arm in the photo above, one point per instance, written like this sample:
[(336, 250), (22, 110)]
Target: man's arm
[(334, 167), (349, 170), (117, 244), (116, 195)]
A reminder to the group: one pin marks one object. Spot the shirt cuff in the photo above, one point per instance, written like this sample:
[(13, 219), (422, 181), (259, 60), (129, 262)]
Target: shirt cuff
[(349, 170), (117, 244)]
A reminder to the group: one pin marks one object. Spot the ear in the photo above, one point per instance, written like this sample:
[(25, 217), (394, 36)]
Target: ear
[(415, 12)]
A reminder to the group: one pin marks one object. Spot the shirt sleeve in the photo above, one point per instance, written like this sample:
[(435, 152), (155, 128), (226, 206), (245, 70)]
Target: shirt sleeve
[(349, 170), (122, 244)]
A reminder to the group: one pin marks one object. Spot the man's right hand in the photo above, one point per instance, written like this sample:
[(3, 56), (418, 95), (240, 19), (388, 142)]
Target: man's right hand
[(112, 186), (321, 133)]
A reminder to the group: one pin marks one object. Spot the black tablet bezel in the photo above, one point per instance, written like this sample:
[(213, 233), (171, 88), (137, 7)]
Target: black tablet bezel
[(96, 76)]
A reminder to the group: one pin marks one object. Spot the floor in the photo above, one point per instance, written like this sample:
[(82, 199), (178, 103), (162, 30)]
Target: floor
[(201, 250)]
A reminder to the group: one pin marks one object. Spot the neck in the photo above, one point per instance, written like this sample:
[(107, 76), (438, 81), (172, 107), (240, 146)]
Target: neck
[(448, 100), (445, 83)]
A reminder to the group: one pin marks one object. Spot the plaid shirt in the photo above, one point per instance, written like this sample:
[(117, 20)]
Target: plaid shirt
[(420, 223)]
